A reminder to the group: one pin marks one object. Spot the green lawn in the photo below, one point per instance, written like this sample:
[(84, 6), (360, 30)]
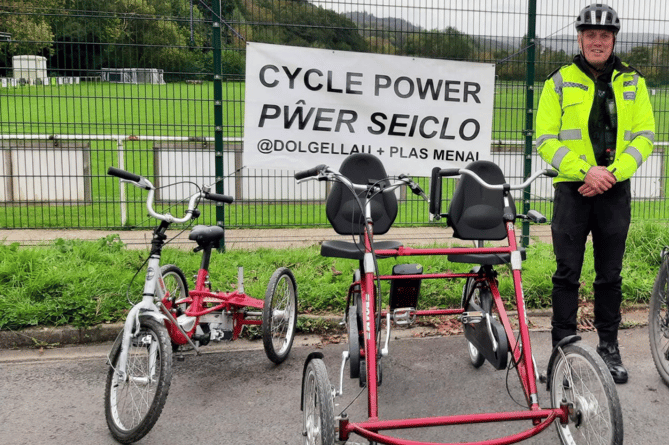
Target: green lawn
[(186, 110), (175, 109)]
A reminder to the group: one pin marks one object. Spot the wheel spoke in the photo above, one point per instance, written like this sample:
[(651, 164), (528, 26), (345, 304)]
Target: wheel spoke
[(279, 315), (318, 407), (658, 322), (133, 405), (581, 379)]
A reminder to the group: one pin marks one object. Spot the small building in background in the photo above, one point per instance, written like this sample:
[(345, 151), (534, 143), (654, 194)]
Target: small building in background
[(132, 75), (32, 69)]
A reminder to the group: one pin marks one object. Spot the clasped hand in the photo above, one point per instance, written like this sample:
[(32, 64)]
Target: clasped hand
[(597, 181)]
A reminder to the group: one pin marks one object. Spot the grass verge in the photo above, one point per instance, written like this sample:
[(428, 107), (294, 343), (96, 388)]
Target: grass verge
[(85, 283)]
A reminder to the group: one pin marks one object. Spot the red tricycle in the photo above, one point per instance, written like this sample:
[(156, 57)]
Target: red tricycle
[(584, 403), (170, 317)]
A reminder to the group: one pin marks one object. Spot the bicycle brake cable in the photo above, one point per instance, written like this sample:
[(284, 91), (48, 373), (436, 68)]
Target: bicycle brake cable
[(513, 364), (132, 280)]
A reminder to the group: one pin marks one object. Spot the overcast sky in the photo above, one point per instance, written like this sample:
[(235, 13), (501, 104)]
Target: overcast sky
[(507, 17)]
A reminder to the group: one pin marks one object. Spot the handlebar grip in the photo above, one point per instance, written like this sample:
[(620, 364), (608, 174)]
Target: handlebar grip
[(435, 192), (449, 172), (308, 173), (536, 216), (220, 198), (113, 171), (551, 173)]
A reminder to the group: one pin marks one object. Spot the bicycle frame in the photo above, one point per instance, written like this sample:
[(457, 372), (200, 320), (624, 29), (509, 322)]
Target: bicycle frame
[(154, 293), (520, 347), (228, 302), (138, 382)]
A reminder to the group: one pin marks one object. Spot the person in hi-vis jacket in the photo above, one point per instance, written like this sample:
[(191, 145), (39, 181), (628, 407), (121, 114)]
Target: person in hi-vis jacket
[(595, 126)]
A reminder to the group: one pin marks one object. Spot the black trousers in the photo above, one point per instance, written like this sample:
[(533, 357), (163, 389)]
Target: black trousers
[(607, 218)]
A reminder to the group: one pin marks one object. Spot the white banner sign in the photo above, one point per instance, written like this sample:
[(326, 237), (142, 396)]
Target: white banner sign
[(306, 106)]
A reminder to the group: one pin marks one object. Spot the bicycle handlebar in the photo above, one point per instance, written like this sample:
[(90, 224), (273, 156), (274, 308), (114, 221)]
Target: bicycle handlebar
[(460, 171), (226, 199), (323, 173), (310, 172), (113, 171), (142, 182)]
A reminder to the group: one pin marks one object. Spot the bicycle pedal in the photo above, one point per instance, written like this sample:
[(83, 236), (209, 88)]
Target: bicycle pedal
[(180, 357), (404, 316), (472, 317)]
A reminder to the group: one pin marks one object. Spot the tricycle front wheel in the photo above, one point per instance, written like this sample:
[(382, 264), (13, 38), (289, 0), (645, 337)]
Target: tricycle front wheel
[(318, 405), (580, 377)]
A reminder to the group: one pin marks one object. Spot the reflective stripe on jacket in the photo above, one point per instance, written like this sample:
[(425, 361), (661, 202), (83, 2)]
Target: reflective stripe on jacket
[(563, 139)]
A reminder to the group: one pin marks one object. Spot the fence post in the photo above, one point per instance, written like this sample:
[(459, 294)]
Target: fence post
[(121, 184), (218, 112), (529, 113)]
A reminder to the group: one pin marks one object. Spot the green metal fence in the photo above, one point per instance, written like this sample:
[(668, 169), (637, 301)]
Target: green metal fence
[(155, 86)]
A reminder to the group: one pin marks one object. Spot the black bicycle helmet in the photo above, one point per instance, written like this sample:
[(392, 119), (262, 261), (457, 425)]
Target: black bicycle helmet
[(598, 16)]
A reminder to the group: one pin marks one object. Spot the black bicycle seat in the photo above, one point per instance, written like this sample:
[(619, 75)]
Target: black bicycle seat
[(207, 235), (342, 207), (485, 259), (478, 213), (354, 251)]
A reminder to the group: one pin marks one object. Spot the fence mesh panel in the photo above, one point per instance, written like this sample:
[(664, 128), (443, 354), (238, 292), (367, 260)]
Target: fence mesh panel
[(85, 85)]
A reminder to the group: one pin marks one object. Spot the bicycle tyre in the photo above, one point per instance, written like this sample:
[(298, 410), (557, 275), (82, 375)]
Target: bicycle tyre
[(658, 321), (318, 407), (177, 289), (128, 421), (354, 345), (482, 297), (581, 377), (175, 281), (279, 315)]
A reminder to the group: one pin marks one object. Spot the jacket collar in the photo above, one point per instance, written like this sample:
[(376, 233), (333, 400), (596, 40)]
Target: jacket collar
[(613, 64)]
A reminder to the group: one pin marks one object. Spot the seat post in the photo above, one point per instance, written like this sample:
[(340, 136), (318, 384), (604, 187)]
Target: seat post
[(206, 256)]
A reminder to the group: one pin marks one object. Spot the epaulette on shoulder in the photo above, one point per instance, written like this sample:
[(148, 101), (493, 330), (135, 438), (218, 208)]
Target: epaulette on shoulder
[(555, 71), (635, 70), (625, 67)]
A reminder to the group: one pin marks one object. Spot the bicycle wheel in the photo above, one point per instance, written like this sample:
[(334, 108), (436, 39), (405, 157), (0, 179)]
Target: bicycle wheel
[(175, 282), (354, 342), (279, 315), (176, 290), (482, 296), (354, 327), (133, 405), (580, 377), (318, 405), (658, 321)]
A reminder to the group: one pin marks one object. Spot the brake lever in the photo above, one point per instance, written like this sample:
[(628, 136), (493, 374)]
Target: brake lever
[(415, 188)]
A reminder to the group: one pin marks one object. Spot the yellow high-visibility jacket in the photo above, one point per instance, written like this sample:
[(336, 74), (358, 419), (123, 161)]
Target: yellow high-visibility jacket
[(563, 139)]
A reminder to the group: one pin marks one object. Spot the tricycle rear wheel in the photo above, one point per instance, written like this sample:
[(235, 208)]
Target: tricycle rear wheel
[(482, 296), (279, 315)]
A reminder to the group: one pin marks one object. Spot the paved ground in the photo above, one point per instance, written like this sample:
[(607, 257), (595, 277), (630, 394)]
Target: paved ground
[(254, 238), (233, 395)]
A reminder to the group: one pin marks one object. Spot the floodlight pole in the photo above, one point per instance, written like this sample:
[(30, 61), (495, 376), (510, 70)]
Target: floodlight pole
[(529, 115)]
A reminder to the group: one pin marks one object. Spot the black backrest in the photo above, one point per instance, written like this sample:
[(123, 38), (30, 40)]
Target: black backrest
[(342, 209), (476, 213)]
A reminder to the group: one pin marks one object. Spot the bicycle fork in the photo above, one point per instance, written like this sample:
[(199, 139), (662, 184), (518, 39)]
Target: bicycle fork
[(147, 308)]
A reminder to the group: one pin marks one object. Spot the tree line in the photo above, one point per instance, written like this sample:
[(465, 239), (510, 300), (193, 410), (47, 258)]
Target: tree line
[(80, 37)]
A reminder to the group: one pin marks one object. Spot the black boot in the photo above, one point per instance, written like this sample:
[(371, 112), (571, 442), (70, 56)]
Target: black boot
[(611, 355)]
